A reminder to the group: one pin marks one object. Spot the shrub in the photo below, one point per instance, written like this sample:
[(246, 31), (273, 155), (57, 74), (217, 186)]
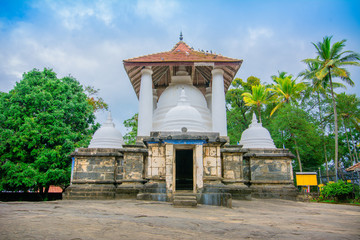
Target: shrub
[(338, 190)]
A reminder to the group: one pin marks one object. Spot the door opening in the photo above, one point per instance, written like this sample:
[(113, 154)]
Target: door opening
[(184, 169)]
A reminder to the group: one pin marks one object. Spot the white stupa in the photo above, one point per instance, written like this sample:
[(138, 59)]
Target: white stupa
[(183, 116), (192, 106), (107, 136), (256, 136)]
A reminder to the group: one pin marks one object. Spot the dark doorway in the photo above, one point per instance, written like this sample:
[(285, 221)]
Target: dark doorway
[(184, 169)]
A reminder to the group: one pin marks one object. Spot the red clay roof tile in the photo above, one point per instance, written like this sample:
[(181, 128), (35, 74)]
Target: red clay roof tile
[(181, 52)]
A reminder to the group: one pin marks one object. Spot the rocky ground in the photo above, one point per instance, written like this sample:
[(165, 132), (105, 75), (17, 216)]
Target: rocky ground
[(127, 219)]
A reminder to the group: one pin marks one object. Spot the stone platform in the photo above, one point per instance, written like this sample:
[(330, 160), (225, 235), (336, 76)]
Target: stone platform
[(148, 171)]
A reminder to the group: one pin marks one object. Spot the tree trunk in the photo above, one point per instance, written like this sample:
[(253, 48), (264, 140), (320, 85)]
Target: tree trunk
[(348, 144), (323, 136), (353, 142), (297, 153), (259, 111), (327, 167), (335, 127)]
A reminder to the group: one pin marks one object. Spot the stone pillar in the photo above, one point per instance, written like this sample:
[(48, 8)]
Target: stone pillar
[(169, 168), (145, 103), (199, 165), (218, 112)]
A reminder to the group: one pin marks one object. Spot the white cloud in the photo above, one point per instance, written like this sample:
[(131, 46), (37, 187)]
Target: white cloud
[(90, 39), (159, 10), (75, 14), (256, 33)]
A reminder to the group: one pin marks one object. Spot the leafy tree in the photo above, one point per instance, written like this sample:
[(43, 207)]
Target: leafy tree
[(332, 60), (131, 126), (348, 107), (259, 96), (319, 99), (96, 102), (293, 128), (280, 75), (237, 112), (42, 120), (286, 90)]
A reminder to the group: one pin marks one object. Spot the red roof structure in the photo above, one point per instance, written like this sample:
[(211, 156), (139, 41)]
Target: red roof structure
[(199, 65)]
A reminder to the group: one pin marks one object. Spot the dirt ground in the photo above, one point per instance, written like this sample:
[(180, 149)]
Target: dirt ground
[(127, 219)]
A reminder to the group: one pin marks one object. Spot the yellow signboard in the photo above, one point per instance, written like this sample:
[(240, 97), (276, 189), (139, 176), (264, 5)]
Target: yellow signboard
[(306, 179)]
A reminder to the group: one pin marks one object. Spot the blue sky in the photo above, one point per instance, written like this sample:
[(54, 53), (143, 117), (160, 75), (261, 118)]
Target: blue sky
[(89, 39)]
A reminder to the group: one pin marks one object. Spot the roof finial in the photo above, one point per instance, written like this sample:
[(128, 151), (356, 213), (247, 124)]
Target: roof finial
[(181, 36)]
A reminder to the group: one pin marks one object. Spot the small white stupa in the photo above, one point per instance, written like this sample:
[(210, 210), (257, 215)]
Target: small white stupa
[(107, 136), (256, 136)]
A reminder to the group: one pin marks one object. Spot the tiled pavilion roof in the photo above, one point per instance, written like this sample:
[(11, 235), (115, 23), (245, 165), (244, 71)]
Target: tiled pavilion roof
[(199, 64)]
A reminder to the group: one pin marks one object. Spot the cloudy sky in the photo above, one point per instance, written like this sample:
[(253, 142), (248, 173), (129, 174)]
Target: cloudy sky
[(90, 39)]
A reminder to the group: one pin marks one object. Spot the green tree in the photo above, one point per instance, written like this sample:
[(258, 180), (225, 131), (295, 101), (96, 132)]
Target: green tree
[(42, 120), (332, 60), (348, 107), (294, 128), (96, 102), (236, 110), (319, 99), (286, 90), (131, 125), (257, 98)]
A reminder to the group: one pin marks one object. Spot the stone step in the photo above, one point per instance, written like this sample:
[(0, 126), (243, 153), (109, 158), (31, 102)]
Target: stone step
[(184, 199), (184, 193), (184, 203)]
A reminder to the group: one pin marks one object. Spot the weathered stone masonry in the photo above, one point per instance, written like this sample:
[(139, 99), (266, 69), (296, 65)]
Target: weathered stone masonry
[(221, 172)]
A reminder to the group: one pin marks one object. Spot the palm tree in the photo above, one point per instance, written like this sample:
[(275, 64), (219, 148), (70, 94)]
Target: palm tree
[(321, 91), (286, 90), (259, 95), (332, 60), (280, 75)]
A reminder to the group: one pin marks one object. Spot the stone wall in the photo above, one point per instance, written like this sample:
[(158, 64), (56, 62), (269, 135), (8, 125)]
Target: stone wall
[(107, 173), (221, 172), (94, 174), (211, 161), (95, 165), (155, 167), (271, 173)]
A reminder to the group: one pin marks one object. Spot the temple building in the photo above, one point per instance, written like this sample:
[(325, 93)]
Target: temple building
[(182, 152)]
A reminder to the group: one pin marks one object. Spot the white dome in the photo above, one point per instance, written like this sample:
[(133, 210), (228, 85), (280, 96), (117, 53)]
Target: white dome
[(183, 115), (256, 136), (169, 100), (107, 136)]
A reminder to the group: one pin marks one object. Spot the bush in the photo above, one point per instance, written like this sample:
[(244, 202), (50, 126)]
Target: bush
[(338, 190)]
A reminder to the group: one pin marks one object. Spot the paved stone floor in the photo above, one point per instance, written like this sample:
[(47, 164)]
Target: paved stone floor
[(126, 219)]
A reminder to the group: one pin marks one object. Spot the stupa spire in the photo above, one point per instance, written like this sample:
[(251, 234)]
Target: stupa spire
[(181, 36), (254, 121), (183, 99), (109, 121)]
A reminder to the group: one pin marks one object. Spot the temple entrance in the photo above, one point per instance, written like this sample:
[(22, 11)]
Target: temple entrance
[(184, 169)]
